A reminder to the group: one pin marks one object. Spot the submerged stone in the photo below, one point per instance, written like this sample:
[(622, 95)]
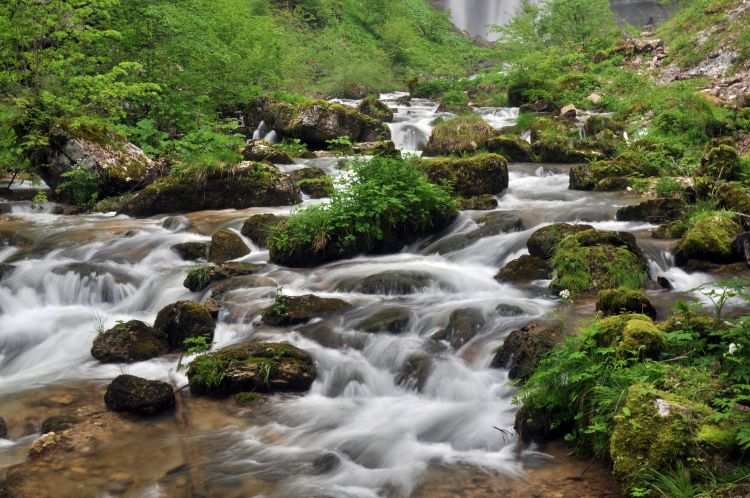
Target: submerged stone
[(190, 251), (393, 320), (129, 342), (525, 269), (131, 394)]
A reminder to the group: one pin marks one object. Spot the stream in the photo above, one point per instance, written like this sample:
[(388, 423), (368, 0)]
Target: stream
[(365, 429)]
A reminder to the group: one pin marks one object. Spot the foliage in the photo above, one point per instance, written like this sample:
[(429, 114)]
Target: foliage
[(205, 368), (293, 147), (201, 274), (79, 187), (340, 144)]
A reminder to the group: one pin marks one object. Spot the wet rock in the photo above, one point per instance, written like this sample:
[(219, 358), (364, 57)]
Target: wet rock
[(415, 371), (543, 243), (13, 238), (257, 228), (462, 326), (389, 283), (393, 320), (260, 150), (3, 428), (525, 269), (541, 107), (621, 301), (176, 223), (57, 423), (115, 165), (316, 121), (733, 198), (86, 270), (664, 283), (250, 185), (182, 320), (313, 182), (385, 148), (457, 136), (709, 239), (375, 109), (293, 310), (673, 230), (5, 270), (46, 444), (190, 251), (484, 202), (326, 463), (524, 348), (213, 307), (504, 309), (478, 175), (489, 225), (225, 246), (259, 367), (534, 425), (654, 211), (201, 276), (740, 245), (558, 151), (511, 147), (129, 342), (569, 112), (131, 394)]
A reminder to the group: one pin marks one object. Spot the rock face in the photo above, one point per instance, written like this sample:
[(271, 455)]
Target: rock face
[(250, 185), (260, 151), (543, 243), (260, 367), (376, 109), (257, 228), (709, 239), (483, 174), (182, 320), (393, 320), (524, 348), (115, 165), (191, 251), (293, 310), (131, 394), (225, 246), (621, 301), (525, 269), (655, 211), (129, 342), (317, 121)]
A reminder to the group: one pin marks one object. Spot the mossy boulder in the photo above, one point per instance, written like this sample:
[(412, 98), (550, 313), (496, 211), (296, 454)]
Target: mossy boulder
[(313, 182), (375, 108), (225, 246), (642, 339), (129, 342), (250, 185), (459, 135), (525, 269), (389, 283), (558, 151), (483, 174), (463, 325), (654, 211), (733, 198), (58, 423), (293, 310), (673, 230), (543, 243), (511, 147), (198, 278), (385, 148), (597, 123), (182, 320), (316, 121), (524, 348), (485, 202), (258, 227), (191, 251), (720, 161), (258, 367), (262, 151), (709, 239), (620, 301), (610, 330), (394, 320), (131, 394), (599, 175)]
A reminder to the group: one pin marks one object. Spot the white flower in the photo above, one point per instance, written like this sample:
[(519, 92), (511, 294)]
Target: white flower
[(733, 348), (565, 294)]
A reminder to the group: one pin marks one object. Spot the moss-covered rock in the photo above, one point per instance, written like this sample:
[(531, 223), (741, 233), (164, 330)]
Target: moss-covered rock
[(642, 339), (250, 185), (720, 161), (524, 348), (709, 239), (225, 246), (260, 151), (385, 148), (598, 175), (733, 198), (597, 123), (394, 320), (129, 342), (482, 174), (543, 243), (259, 367), (182, 320), (654, 211), (673, 230), (463, 325), (201, 276), (58, 423), (293, 310), (484, 202), (374, 108), (525, 269), (258, 227), (191, 251), (459, 135), (131, 394), (559, 151), (621, 301), (511, 147)]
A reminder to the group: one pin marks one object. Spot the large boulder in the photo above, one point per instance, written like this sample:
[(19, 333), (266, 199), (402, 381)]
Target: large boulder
[(525, 269), (620, 301), (258, 227), (191, 251), (463, 325), (721, 161), (260, 151), (293, 310), (317, 121), (654, 211), (483, 174), (250, 185), (733, 198), (129, 342), (313, 182), (116, 166), (131, 394), (458, 136), (709, 239), (182, 320), (375, 109), (543, 243), (524, 348), (260, 367), (225, 246), (511, 147)]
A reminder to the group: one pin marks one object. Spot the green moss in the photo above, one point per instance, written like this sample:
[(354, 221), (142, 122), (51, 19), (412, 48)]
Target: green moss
[(511, 148), (466, 133), (642, 339), (469, 177), (716, 438), (619, 301), (247, 398), (709, 239), (721, 161), (609, 331)]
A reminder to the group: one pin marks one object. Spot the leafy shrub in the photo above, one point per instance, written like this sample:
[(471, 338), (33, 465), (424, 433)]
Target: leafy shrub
[(78, 187)]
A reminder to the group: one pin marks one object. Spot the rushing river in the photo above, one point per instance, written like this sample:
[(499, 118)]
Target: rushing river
[(362, 430)]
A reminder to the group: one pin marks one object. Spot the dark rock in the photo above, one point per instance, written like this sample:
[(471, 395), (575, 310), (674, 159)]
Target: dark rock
[(213, 307), (196, 281), (654, 211), (129, 342), (415, 371), (375, 109), (393, 320), (525, 269), (257, 228), (259, 367), (540, 106), (535, 426), (504, 309), (664, 283), (13, 238), (225, 246), (3, 428), (612, 184), (740, 245), (673, 230), (260, 150), (293, 310), (543, 243), (621, 301), (191, 251), (5, 270), (483, 174), (489, 225), (524, 348), (733, 198), (389, 282), (57, 423), (484, 202), (131, 394), (463, 325), (182, 320)]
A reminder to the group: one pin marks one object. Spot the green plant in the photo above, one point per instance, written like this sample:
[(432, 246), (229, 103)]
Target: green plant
[(279, 306), (267, 366), (37, 203), (100, 321), (293, 147), (666, 187), (198, 345), (201, 274), (209, 370), (720, 292), (340, 144), (79, 187)]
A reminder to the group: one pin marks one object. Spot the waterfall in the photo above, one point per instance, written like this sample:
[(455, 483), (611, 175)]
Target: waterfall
[(474, 16)]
